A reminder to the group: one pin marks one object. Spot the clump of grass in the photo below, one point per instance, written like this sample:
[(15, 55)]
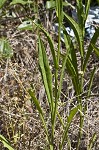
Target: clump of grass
[(70, 63), (53, 81)]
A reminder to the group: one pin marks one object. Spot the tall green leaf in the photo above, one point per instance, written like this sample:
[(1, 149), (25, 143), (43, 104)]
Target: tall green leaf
[(80, 14), (77, 31), (70, 49), (46, 72), (51, 44)]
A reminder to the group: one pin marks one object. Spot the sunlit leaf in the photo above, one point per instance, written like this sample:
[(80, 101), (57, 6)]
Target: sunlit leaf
[(50, 4), (51, 44), (5, 142), (87, 7), (22, 2), (26, 25), (70, 49)]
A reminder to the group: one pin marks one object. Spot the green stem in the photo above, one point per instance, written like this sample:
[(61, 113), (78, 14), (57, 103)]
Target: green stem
[(56, 71)]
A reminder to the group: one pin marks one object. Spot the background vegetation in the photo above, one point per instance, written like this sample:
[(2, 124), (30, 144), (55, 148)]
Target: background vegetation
[(48, 81)]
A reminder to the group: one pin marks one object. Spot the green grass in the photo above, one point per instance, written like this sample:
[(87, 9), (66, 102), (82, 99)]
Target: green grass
[(69, 65)]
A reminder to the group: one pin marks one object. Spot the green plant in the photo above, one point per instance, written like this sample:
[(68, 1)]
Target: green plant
[(5, 49), (53, 81), (70, 63), (5, 142)]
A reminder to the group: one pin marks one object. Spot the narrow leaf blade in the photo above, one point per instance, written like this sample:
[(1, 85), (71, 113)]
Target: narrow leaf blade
[(5, 142), (78, 32), (45, 71), (92, 141), (51, 44), (36, 102), (69, 120), (96, 50), (90, 48)]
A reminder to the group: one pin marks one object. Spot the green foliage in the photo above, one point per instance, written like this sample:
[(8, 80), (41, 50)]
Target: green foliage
[(92, 141), (5, 49), (69, 120), (96, 50), (5, 142), (90, 48), (70, 63), (46, 72), (26, 25), (22, 2), (2, 2)]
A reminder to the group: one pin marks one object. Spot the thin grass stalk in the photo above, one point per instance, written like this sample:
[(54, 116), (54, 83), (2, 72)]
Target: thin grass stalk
[(80, 14), (88, 95), (81, 20), (59, 15)]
